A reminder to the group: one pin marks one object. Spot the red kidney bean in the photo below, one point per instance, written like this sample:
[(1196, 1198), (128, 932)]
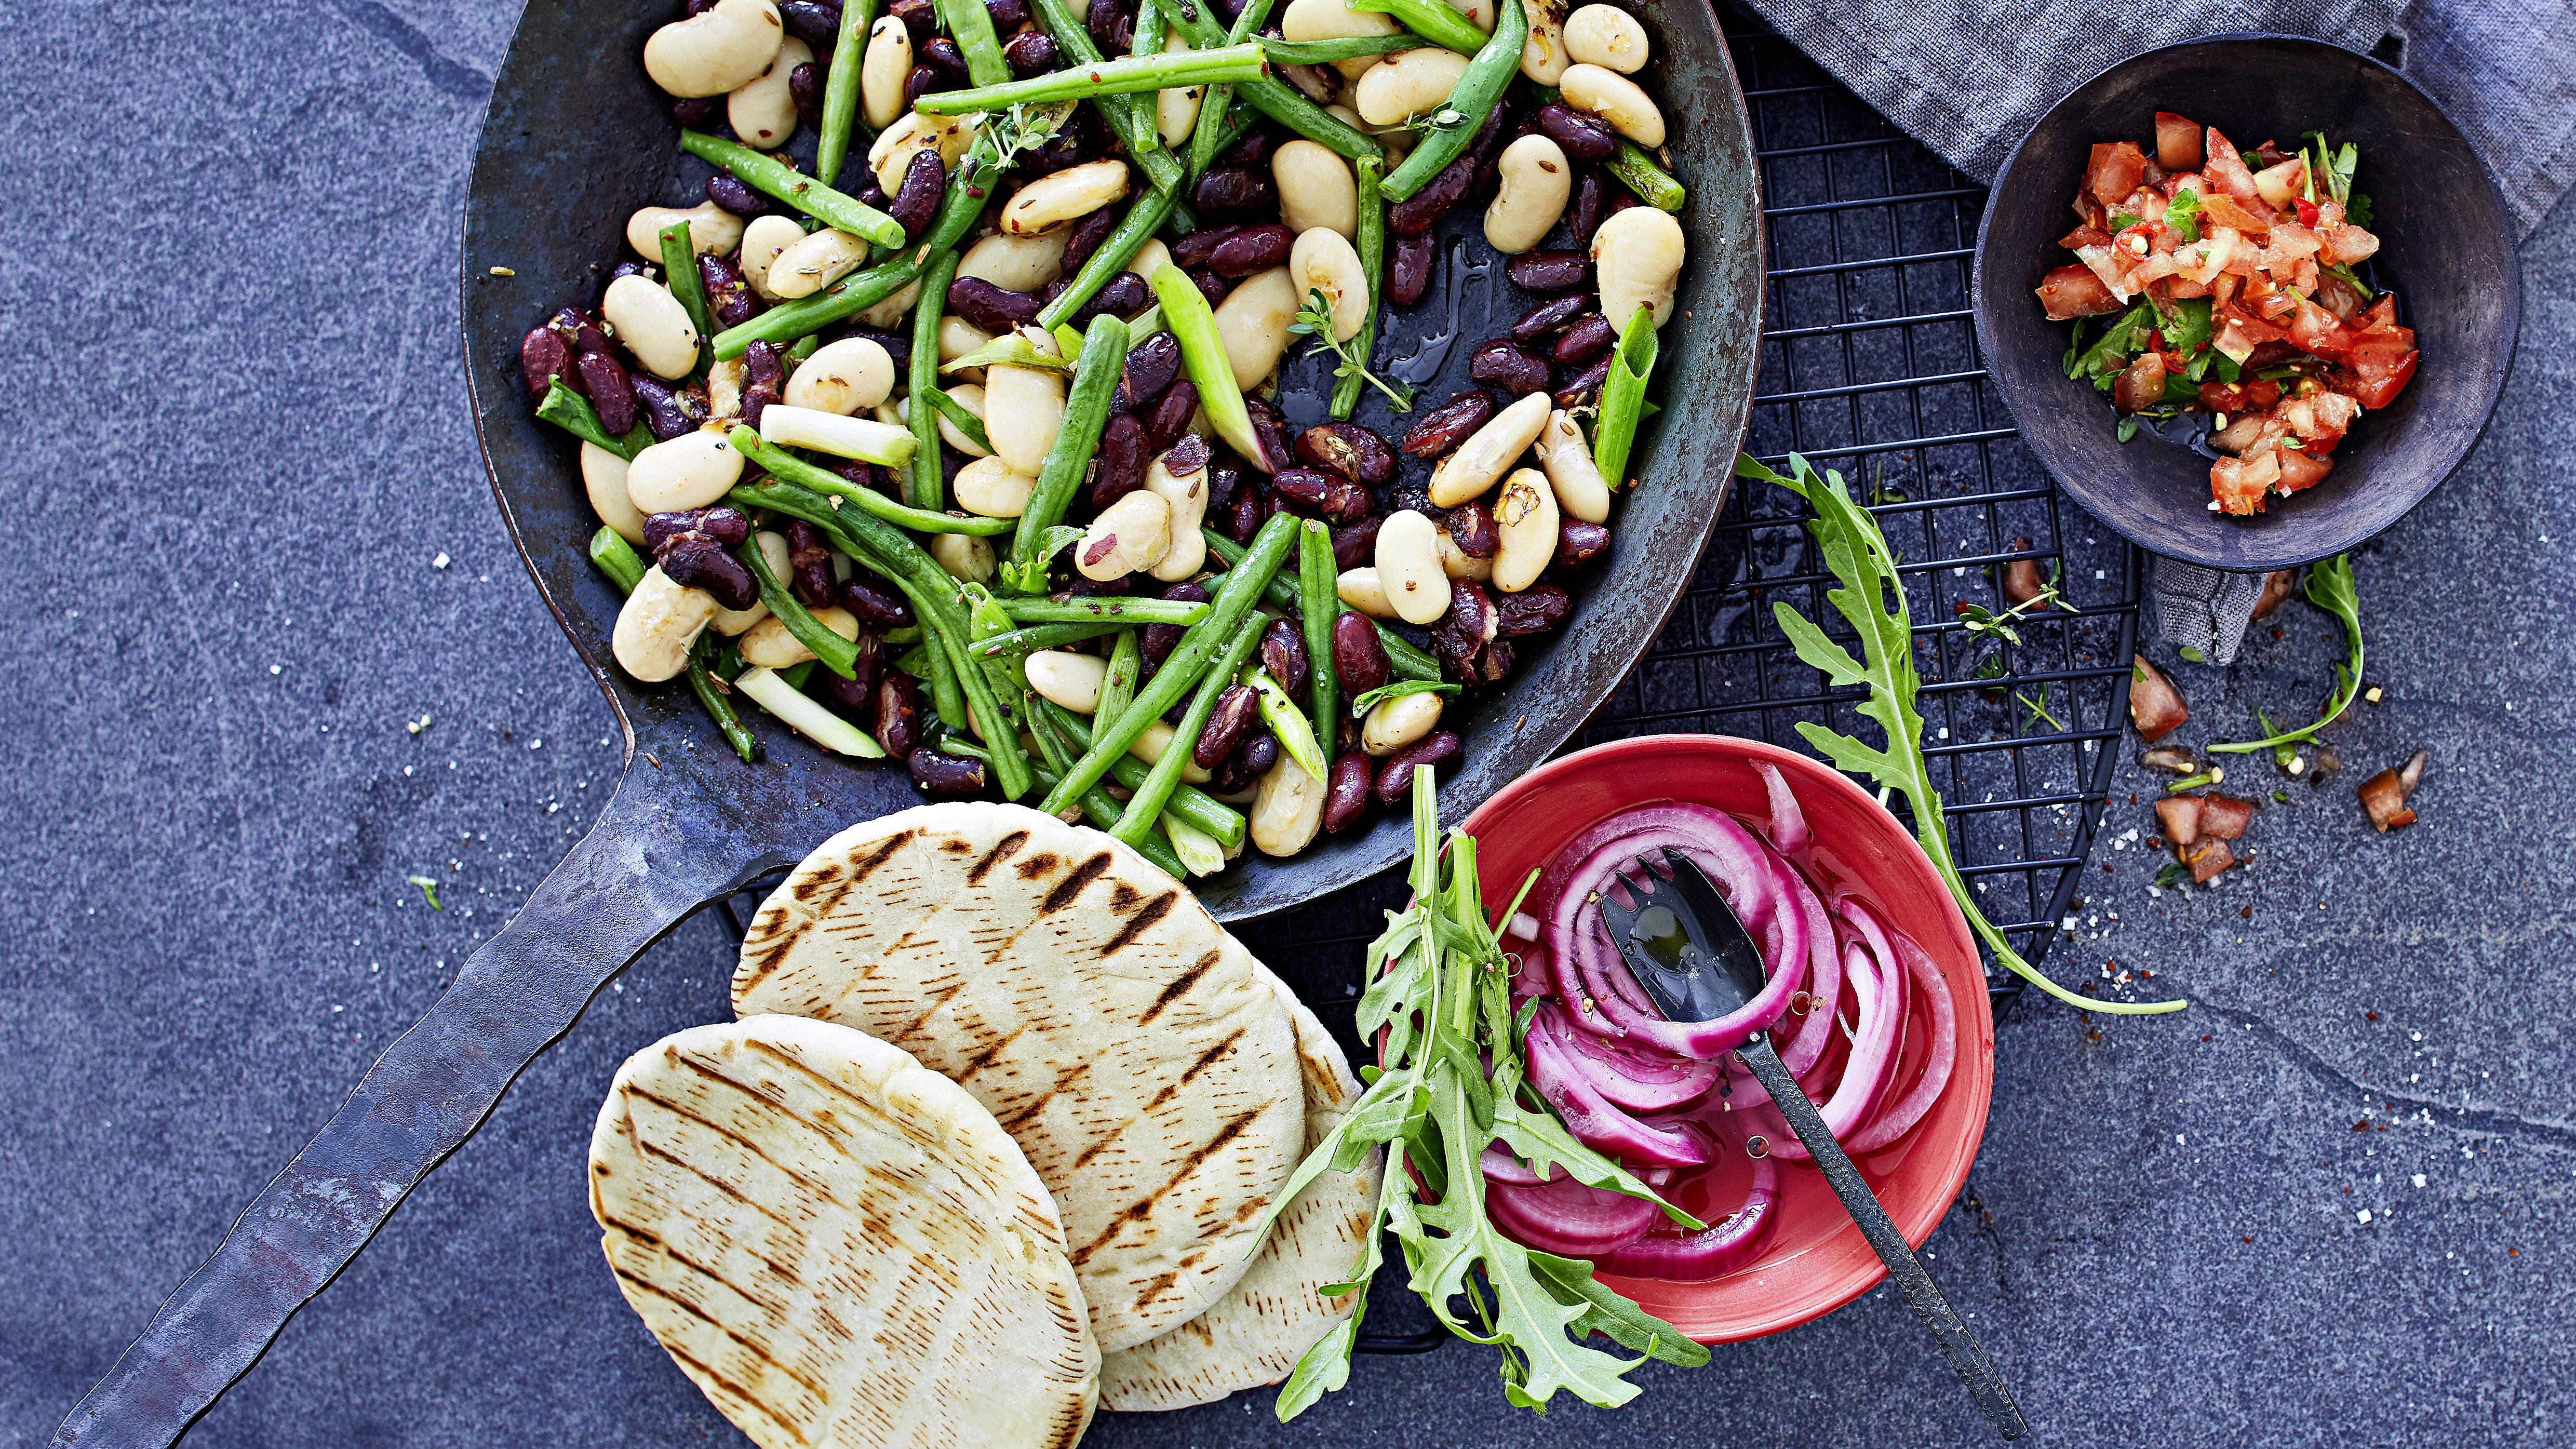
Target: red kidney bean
[(809, 565), (1158, 639), (938, 772), (1249, 249), (1283, 653), (1029, 53), (1408, 269), (1584, 386), (1258, 753), (1446, 426), (726, 526), (1346, 795), (543, 357), (1252, 153), (994, 309), (1488, 140), (1581, 136), (1547, 317), (815, 22), (669, 414), (854, 698), (1244, 519), (1232, 775), (1151, 367), (1359, 659), (1272, 434), (1395, 776), (1470, 624), (1533, 610), (734, 195), (1008, 15), (916, 201), (1348, 449), (1188, 458), (610, 388), (1578, 542), (898, 722), (1550, 271), (805, 89), (1226, 724), (1590, 204), (876, 601), (1417, 214), (1471, 527), (1085, 238), (1112, 28), (729, 293), (1194, 249), (1125, 294), (761, 365), (871, 195), (1501, 363), (1170, 418), (921, 17), (920, 81), (700, 562), (1322, 495), (579, 332), (1588, 338), (1123, 457), (1210, 285), (1356, 546), (1225, 474), (1076, 141), (698, 112), (941, 54)]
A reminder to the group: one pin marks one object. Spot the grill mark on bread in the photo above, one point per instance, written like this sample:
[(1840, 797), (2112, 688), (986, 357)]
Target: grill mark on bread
[(721, 1130), (754, 1346), (1153, 1289), (1012, 1124), (648, 1149), (1155, 909), (1143, 1207), (767, 1302), (1072, 885), (1180, 985), (740, 1393), (1036, 865), (984, 1058), (1008, 846), (881, 855), (1172, 1088)]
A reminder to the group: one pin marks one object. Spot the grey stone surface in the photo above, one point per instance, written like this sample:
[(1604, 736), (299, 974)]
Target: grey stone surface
[(231, 296)]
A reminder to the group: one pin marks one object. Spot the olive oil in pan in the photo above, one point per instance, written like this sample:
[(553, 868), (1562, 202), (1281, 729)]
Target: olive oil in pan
[(1431, 350)]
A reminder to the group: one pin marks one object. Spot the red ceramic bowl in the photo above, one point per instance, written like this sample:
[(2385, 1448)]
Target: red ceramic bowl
[(1814, 1261)]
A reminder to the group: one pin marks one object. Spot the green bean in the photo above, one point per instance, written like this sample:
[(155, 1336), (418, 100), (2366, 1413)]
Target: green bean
[(790, 468), (1436, 21), (1149, 29), (1623, 397), (1127, 76), (1247, 21), (924, 487), (1201, 809), (1318, 606), (1193, 325), (1118, 685), (573, 413), (947, 698), (1325, 52), (1636, 169), (791, 320), (1188, 659), (968, 426), (1473, 97), (1277, 99), (1402, 656), (1216, 105), (1111, 256), (1086, 411), (1372, 250), (1148, 800), (1098, 805), (1043, 636), (986, 620), (768, 173), (839, 655), (680, 260), (618, 559), (841, 90), (711, 698), (915, 661), (1133, 121), (1106, 610), (971, 26)]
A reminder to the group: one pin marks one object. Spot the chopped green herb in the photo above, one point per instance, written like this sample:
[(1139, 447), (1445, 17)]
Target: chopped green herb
[(2183, 215), (428, 890), (2173, 875), (2127, 429), (2194, 655), (1315, 320)]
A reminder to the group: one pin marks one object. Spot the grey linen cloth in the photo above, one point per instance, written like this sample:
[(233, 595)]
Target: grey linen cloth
[(1969, 77)]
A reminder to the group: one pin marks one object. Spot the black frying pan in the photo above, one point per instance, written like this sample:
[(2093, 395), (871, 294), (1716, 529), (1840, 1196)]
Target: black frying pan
[(568, 151)]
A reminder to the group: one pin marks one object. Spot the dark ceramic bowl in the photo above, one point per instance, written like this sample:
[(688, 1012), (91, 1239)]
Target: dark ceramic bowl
[(2446, 250)]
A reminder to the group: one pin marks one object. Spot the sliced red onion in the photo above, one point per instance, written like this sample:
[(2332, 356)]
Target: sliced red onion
[(1600, 1124), (1667, 1251), (1899, 1117), (1568, 1219), (1824, 967), (1872, 1057), (1634, 1075), (1788, 823), (1501, 1166)]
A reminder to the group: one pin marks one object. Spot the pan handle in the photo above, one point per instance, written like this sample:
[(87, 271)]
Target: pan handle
[(629, 881)]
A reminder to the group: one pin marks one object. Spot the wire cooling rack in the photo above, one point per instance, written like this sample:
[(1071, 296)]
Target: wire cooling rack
[(1869, 367)]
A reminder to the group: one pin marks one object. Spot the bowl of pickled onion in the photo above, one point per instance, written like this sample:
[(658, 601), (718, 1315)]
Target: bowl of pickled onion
[(1876, 1000)]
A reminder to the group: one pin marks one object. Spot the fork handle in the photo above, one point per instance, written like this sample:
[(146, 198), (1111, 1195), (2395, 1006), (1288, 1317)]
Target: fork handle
[(1958, 1345)]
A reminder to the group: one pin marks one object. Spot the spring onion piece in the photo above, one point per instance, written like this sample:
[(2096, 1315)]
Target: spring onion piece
[(1296, 737), (1372, 250), (841, 90), (1118, 685), (1402, 656), (1202, 810), (1146, 804), (1433, 20), (1277, 99), (1193, 325), (789, 321), (865, 439), (809, 719), (985, 620), (838, 655), (1129, 76), (1011, 350), (791, 469), (1325, 52), (1197, 851), (573, 413), (1623, 397), (971, 26), (1318, 606), (1130, 117), (1473, 98), (923, 485), (1086, 411), (1398, 689), (765, 172), (1636, 169), (680, 260), (965, 422), (618, 559)]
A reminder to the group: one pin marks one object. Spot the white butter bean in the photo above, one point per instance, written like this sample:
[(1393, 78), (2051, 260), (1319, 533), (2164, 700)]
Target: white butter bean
[(1176, 110), (1023, 411), (1253, 323), (1606, 36), (958, 337), (1537, 179), (1131, 534), (603, 477), (1071, 680), (732, 622), (1408, 83), (1397, 140), (1637, 256), (1614, 98), (842, 377), (1543, 57), (1319, 82), (1287, 811), (761, 111), (1187, 495), (1062, 196), (724, 388), (1525, 516), (1150, 258), (968, 559), (1016, 263), (714, 51), (762, 240), (1157, 738), (988, 486), (892, 152), (1323, 260), (1570, 471), (882, 72), (969, 396), (1360, 589), (1331, 20), (1479, 462), (884, 315), (1481, 12), (769, 645), (690, 471), (656, 626), (1408, 567), (1316, 189), (815, 262), (652, 324), (1459, 564), (711, 228), (1398, 722)]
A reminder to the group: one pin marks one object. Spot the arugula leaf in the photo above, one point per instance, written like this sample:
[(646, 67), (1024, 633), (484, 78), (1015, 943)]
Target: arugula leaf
[(2183, 215), (1871, 600), (2329, 587)]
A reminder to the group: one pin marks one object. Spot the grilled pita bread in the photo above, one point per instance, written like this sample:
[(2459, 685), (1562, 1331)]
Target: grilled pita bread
[(1256, 1333), (1089, 1002), (838, 1246)]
